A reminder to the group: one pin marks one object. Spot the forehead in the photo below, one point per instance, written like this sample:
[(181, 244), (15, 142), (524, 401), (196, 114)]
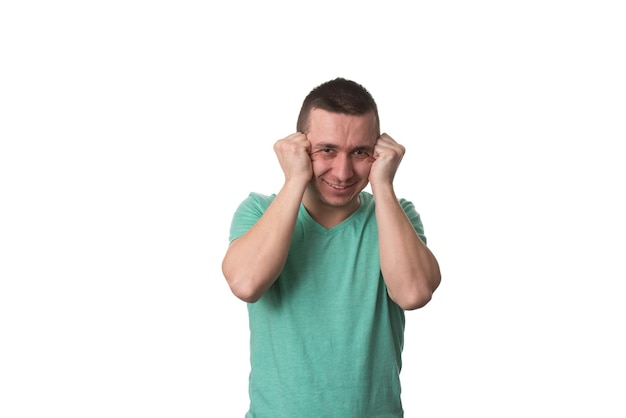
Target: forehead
[(340, 129)]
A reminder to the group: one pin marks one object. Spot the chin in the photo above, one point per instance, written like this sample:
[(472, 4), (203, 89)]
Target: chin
[(339, 201)]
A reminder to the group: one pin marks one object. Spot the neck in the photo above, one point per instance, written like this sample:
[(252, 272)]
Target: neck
[(328, 215)]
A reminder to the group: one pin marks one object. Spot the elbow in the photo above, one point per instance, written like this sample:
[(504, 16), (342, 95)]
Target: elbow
[(417, 296), (414, 301), (242, 287), (246, 295)]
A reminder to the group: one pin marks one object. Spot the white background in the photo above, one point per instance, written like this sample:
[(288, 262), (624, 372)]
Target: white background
[(131, 130)]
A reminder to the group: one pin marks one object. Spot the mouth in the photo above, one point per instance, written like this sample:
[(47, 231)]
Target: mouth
[(336, 186)]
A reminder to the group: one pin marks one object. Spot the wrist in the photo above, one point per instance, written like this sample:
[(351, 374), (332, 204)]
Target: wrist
[(383, 192)]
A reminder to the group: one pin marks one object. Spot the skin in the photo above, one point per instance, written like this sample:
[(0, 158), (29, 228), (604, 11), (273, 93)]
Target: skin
[(325, 169)]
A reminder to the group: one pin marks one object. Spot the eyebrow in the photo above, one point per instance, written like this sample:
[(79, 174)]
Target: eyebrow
[(325, 145), (333, 146)]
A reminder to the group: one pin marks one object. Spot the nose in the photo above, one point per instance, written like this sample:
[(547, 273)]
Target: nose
[(342, 167)]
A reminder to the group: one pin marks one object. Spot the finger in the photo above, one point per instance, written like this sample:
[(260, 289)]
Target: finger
[(385, 138)]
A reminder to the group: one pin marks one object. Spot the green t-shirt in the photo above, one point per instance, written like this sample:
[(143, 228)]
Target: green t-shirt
[(325, 339)]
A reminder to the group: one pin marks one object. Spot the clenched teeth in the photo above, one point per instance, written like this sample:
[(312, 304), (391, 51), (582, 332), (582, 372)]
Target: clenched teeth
[(334, 186)]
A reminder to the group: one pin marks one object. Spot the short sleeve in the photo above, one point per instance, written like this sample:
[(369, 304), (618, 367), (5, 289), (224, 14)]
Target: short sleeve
[(414, 217), (248, 213)]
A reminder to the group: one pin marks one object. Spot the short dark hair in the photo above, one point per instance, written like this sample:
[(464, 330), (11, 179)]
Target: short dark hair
[(338, 96)]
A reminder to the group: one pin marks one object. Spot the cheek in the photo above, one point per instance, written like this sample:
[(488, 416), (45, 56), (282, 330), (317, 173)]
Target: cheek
[(320, 165), (363, 167)]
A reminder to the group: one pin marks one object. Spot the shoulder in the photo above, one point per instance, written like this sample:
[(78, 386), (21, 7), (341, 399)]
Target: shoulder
[(248, 213), (257, 200), (260, 198), (368, 201), (407, 205), (414, 217)]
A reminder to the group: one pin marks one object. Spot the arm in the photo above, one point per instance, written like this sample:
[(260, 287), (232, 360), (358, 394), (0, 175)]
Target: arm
[(254, 260), (411, 272)]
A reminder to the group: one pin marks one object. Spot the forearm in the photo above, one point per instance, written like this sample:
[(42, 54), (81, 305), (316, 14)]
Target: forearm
[(254, 260), (410, 270)]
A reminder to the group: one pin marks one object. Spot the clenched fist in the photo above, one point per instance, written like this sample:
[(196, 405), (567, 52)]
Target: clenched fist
[(387, 157), (294, 156)]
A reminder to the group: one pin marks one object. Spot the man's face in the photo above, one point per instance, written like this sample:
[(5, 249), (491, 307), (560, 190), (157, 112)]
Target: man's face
[(342, 148)]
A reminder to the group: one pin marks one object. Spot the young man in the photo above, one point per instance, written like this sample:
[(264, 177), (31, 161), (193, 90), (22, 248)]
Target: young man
[(328, 269)]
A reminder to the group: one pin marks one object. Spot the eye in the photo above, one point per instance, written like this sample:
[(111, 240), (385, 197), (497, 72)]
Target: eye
[(361, 154), (325, 152)]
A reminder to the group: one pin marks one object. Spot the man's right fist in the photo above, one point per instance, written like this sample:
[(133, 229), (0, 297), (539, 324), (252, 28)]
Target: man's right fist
[(294, 156)]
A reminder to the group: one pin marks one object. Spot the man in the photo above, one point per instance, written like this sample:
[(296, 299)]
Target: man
[(328, 269)]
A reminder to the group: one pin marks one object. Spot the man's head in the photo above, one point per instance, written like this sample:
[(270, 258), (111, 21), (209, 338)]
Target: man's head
[(338, 96), (340, 121)]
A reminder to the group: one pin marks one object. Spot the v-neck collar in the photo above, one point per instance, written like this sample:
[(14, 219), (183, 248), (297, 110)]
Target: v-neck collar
[(314, 225)]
